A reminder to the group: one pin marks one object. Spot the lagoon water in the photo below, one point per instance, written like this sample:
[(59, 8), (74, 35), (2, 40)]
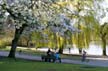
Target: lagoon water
[(92, 50)]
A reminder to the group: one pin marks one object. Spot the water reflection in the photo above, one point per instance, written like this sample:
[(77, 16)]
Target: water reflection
[(94, 49)]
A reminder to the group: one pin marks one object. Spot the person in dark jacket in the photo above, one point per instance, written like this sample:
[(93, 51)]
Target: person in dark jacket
[(49, 52), (84, 56)]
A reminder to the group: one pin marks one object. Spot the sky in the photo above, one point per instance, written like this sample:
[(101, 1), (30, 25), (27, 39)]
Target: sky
[(104, 5)]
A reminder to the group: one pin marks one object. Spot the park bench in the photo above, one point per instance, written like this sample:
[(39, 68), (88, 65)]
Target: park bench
[(49, 58)]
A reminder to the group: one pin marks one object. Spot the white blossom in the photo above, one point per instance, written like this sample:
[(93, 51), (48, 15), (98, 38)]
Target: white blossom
[(37, 17)]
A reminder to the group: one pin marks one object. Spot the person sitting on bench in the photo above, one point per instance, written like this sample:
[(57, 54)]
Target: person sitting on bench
[(49, 52), (57, 55)]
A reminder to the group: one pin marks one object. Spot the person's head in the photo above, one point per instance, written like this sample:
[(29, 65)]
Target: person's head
[(49, 49), (57, 52), (84, 52)]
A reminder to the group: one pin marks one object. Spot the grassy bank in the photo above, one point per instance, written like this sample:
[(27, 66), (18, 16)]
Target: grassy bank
[(24, 65)]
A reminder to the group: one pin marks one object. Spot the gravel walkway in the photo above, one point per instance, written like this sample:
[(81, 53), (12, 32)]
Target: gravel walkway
[(102, 62)]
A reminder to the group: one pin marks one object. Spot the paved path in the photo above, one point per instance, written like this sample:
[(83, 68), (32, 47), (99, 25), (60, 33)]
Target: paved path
[(102, 62)]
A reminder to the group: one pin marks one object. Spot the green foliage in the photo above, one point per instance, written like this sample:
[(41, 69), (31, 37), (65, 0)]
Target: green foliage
[(3, 43), (39, 13)]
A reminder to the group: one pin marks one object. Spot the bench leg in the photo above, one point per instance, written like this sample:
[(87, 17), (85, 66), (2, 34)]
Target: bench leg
[(53, 60), (42, 58), (45, 59), (48, 60), (60, 60)]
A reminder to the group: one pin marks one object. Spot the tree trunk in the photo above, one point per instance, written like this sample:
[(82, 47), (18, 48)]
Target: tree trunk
[(104, 52), (14, 43), (104, 46), (28, 43), (61, 50), (13, 49), (80, 50), (103, 37), (17, 35)]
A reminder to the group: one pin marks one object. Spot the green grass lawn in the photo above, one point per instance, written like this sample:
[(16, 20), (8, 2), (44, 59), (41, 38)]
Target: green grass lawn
[(24, 65)]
